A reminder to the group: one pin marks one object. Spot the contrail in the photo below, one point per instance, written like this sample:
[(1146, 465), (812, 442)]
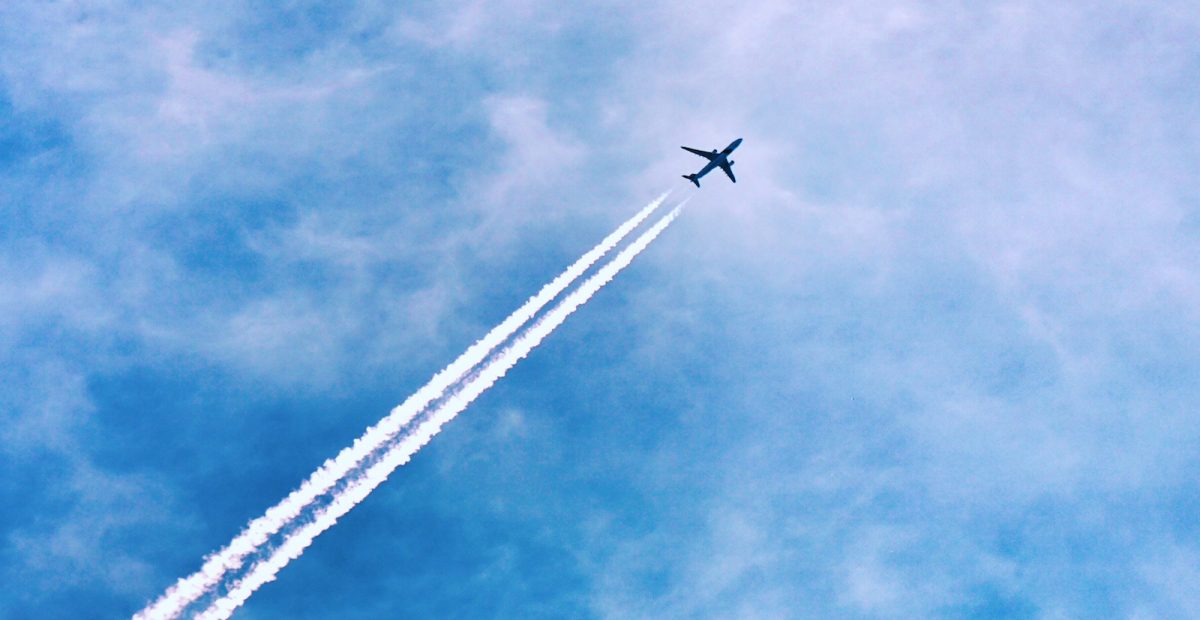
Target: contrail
[(298, 540), (187, 590)]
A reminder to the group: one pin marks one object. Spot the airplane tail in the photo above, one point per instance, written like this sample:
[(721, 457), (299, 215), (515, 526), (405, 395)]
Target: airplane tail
[(692, 178)]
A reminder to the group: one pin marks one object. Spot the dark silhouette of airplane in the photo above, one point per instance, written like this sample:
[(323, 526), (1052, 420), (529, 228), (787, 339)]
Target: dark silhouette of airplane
[(715, 160)]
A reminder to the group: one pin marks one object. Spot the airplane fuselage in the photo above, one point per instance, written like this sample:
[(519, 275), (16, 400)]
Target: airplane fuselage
[(716, 159)]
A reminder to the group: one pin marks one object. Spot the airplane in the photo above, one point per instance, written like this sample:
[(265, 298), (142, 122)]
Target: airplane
[(715, 159)]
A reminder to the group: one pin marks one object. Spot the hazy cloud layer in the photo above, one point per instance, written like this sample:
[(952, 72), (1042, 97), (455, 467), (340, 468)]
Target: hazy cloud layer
[(932, 356)]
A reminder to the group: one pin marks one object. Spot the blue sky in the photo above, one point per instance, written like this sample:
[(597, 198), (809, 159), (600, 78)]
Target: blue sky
[(933, 356)]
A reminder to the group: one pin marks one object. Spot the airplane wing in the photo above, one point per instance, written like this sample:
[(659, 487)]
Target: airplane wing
[(728, 172), (705, 154)]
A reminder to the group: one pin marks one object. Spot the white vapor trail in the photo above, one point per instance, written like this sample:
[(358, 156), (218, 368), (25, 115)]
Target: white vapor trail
[(187, 590), (298, 540)]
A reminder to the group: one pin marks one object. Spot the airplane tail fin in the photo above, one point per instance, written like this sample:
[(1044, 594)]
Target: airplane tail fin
[(692, 178)]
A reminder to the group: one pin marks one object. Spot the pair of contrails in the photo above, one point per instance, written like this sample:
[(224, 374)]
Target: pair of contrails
[(230, 575)]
